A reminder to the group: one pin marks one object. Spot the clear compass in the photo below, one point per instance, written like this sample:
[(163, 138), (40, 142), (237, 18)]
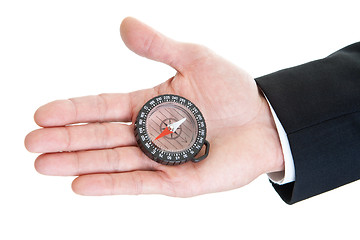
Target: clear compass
[(171, 130)]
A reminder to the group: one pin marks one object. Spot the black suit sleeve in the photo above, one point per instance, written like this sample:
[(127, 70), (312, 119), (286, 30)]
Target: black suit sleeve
[(318, 104)]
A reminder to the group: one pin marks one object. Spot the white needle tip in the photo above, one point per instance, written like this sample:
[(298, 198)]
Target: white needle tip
[(174, 126)]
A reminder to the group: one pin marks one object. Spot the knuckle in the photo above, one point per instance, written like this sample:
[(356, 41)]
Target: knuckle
[(153, 43), (113, 160), (138, 183), (78, 166), (75, 108), (198, 48), (101, 106), (69, 137), (101, 134), (111, 183)]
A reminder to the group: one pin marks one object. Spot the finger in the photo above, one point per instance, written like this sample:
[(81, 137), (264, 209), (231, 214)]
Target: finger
[(80, 137), (120, 159), (129, 183), (99, 108), (146, 42)]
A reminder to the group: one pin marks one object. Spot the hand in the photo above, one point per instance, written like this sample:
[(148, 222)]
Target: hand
[(103, 152)]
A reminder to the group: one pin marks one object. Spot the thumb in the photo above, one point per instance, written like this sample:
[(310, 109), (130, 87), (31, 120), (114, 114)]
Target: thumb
[(147, 42)]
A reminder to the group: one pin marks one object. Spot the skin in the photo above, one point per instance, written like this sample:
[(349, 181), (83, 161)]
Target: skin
[(103, 152)]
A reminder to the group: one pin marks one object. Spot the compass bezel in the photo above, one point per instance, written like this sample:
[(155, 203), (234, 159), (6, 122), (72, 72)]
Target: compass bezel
[(153, 151)]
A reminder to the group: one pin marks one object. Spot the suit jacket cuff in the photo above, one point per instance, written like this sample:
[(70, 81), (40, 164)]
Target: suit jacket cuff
[(288, 175)]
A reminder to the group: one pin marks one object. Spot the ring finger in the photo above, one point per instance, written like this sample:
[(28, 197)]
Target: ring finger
[(121, 159)]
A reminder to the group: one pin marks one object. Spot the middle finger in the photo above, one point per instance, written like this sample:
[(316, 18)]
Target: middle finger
[(80, 137)]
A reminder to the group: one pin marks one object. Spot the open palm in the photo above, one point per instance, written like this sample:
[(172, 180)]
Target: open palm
[(104, 154)]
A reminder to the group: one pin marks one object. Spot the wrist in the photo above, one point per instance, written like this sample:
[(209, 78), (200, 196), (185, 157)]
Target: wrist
[(275, 157)]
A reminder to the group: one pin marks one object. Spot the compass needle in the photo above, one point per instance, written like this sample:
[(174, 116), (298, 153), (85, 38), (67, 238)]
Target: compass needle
[(164, 133), (177, 124)]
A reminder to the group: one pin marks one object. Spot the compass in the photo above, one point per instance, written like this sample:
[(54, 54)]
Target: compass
[(171, 130)]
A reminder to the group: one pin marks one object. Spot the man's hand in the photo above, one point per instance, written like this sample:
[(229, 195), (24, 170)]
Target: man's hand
[(104, 154)]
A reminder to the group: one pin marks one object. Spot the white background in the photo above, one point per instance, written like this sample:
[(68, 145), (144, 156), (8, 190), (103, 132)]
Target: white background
[(59, 49)]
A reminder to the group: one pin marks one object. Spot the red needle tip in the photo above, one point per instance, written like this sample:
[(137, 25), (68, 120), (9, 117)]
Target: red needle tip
[(165, 132)]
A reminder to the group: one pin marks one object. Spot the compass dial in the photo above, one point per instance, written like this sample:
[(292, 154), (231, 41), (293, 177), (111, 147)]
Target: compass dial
[(170, 129)]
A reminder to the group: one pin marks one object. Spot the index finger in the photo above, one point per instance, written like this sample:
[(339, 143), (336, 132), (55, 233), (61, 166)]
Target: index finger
[(109, 107)]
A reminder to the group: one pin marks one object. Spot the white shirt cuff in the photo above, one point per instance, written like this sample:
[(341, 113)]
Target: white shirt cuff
[(288, 175)]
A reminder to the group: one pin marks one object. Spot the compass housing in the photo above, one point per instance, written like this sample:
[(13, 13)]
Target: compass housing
[(173, 153)]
